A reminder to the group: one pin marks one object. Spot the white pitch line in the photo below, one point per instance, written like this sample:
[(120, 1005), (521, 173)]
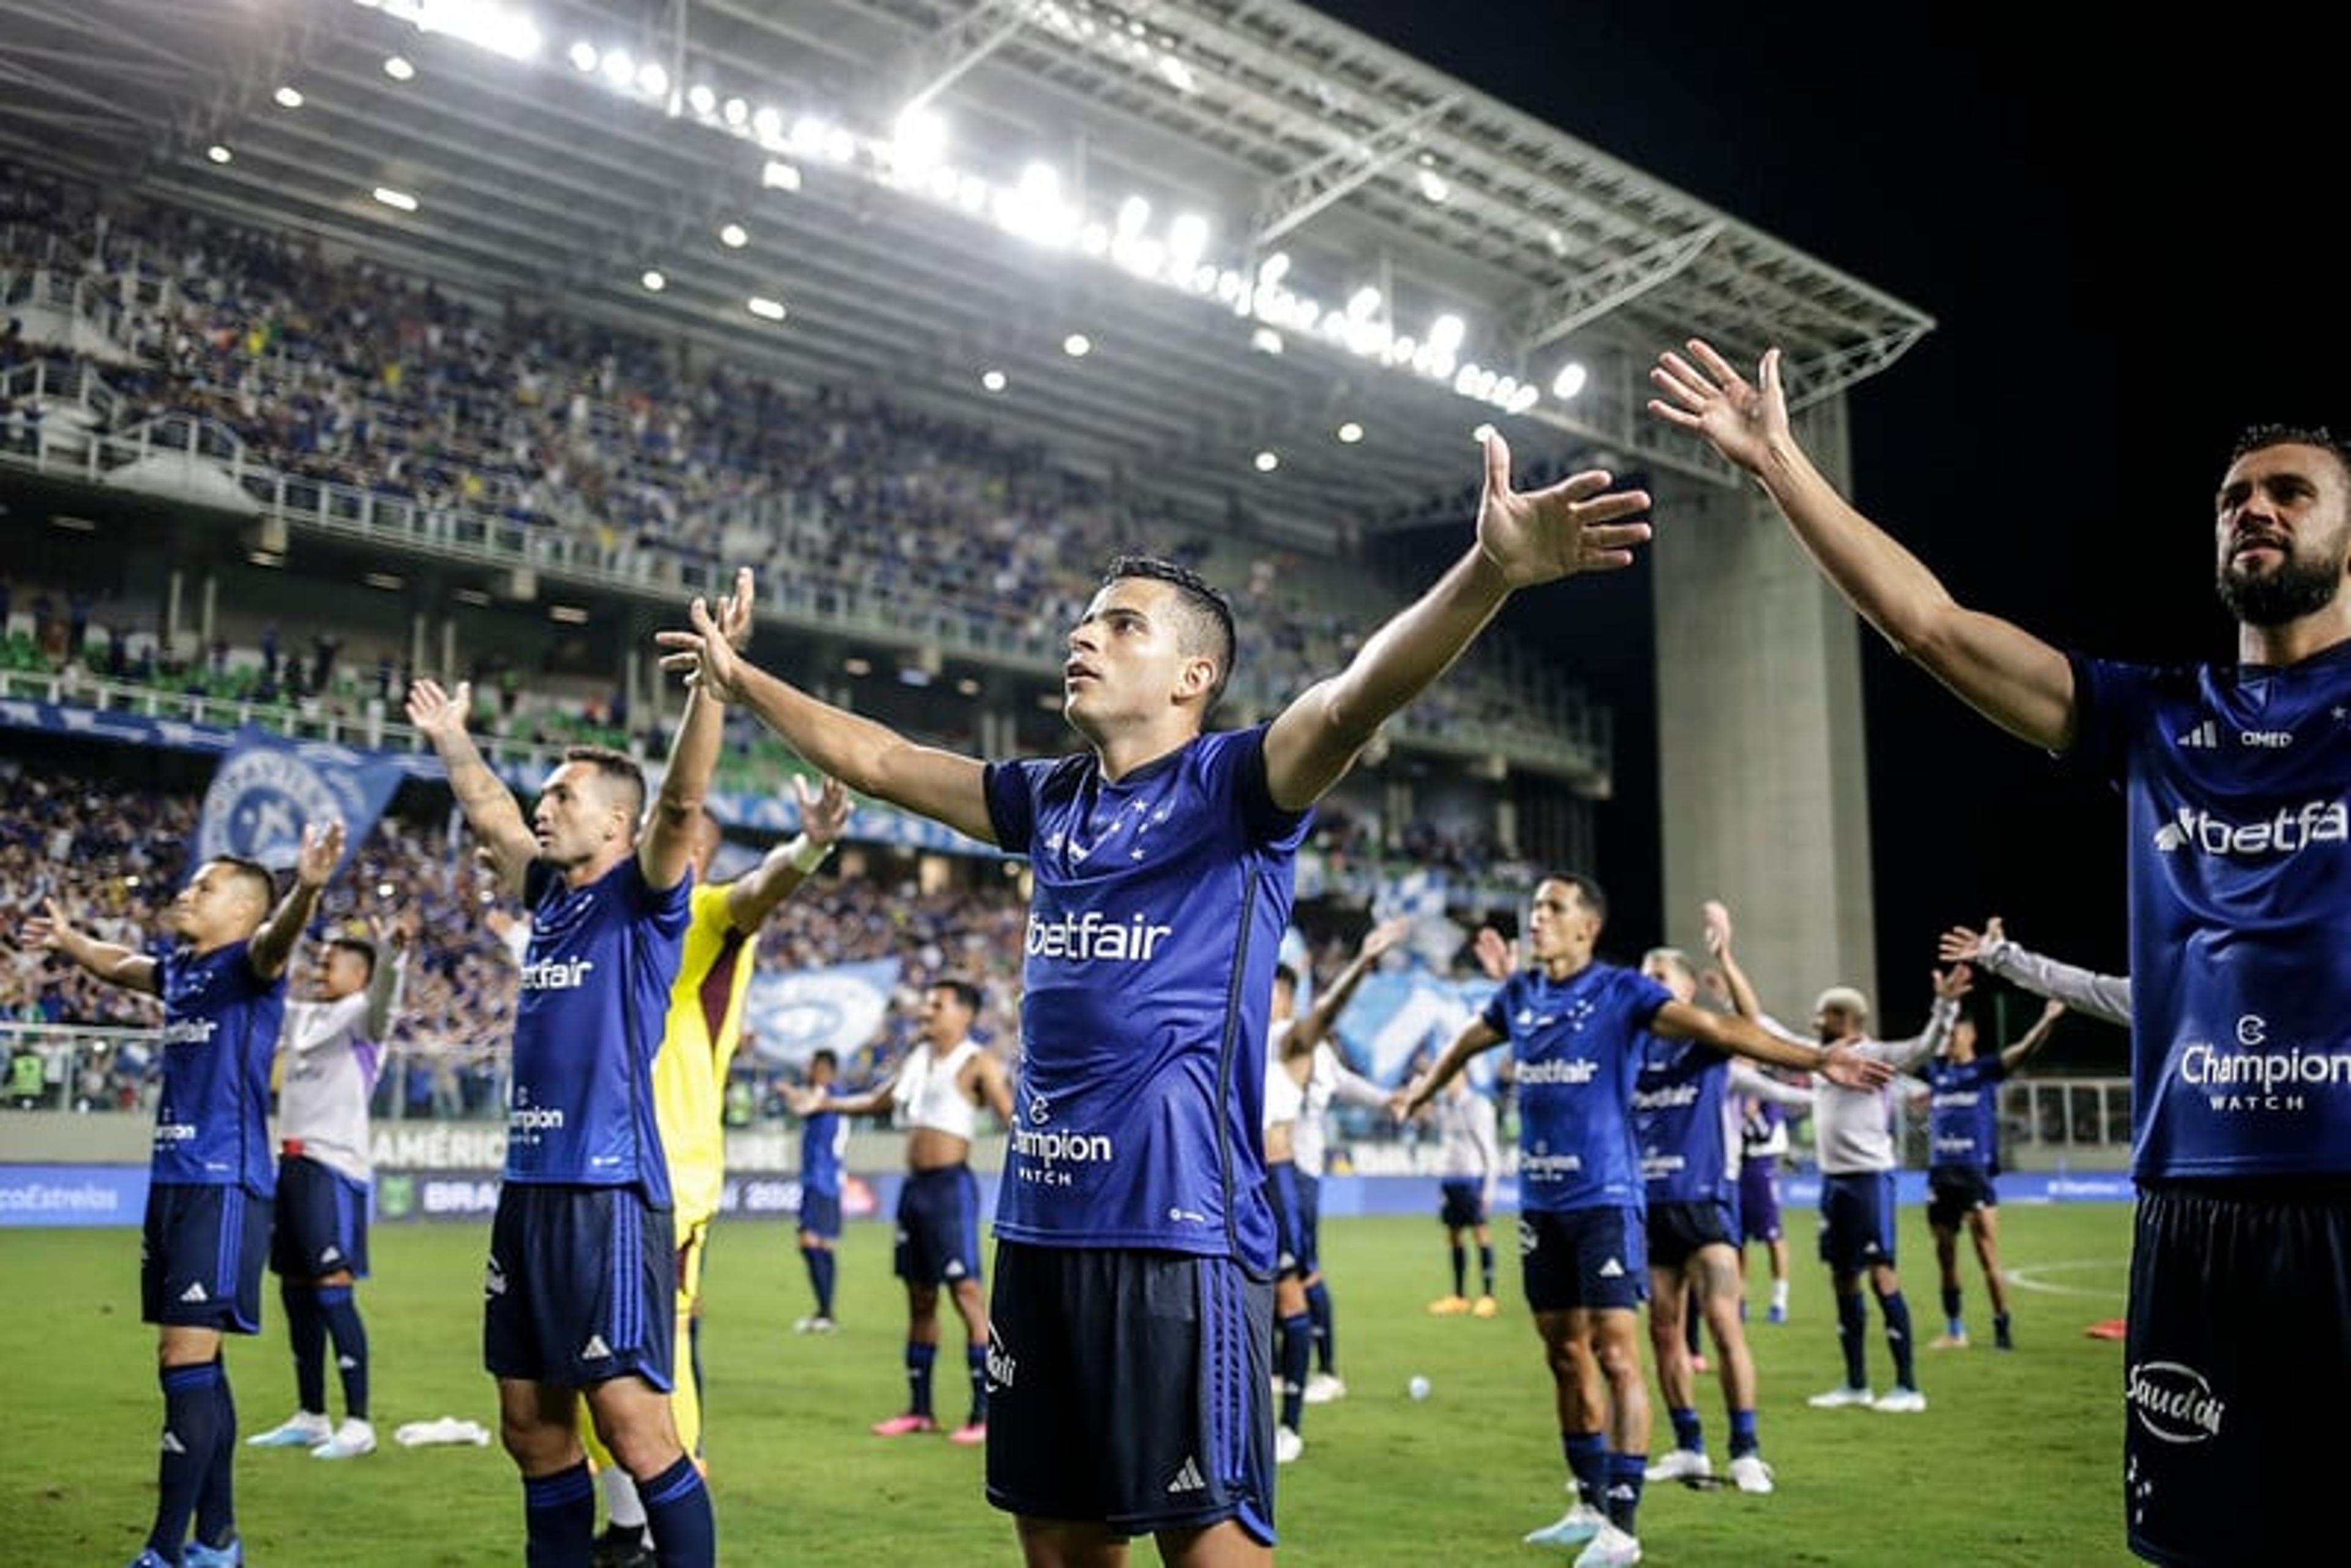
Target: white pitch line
[(2027, 1279)]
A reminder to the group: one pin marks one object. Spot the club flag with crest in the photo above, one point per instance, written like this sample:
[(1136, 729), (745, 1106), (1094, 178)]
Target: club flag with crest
[(269, 788)]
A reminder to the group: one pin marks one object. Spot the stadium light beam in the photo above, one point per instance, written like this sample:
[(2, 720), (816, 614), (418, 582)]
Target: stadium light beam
[(399, 200)]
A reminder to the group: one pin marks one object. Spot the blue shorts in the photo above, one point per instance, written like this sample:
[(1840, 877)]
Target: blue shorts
[(821, 1213), (2239, 1329), (1589, 1258), (938, 1226), (1129, 1389), (1759, 1199), (1310, 1222), (1461, 1205), (581, 1287), (321, 1222), (200, 1256), (1676, 1232), (1857, 1221), (1281, 1196)]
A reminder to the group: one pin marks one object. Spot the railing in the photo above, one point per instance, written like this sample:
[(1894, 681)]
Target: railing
[(401, 525), (52, 382)]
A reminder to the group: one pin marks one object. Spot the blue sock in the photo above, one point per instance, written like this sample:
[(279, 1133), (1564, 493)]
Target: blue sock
[(677, 1508), (559, 1514), (1898, 1337), (1587, 1461), (1625, 1472), (1318, 1307), (343, 1326), (976, 1358), (1688, 1434), (1297, 1353), (1742, 1433), (819, 1272), (190, 1449), (1951, 1311), (1853, 1323), (216, 1498), (306, 1331), (918, 1376)]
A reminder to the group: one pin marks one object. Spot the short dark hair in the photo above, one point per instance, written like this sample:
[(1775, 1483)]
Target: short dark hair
[(963, 992), (1208, 618), (260, 877), (1286, 974), (2258, 437), (359, 945), (618, 768), (1586, 889), (824, 1056)]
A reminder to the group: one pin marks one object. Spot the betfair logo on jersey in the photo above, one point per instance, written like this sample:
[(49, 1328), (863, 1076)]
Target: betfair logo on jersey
[(191, 1031), (1093, 937), (1673, 1097), (2293, 829), (557, 974), (1559, 1069)]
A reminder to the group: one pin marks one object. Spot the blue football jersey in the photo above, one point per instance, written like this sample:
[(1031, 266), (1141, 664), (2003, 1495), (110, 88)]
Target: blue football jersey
[(1158, 908), (2234, 780), (1685, 1123), (587, 1021), (221, 1022), (824, 1139), (1963, 1112), (1578, 1044)]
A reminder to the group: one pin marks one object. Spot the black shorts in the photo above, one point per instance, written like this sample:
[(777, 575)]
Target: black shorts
[(1588, 1258), (2240, 1336), (200, 1257), (1954, 1192), (321, 1222), (1857, 1221), (1461, 1205), (1677, 1231), (581, 1287), (938, 1226), (1129, 1389)]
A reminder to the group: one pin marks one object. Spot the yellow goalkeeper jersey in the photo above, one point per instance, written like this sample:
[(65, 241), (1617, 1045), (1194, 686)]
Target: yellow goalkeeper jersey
[(704, 1026)]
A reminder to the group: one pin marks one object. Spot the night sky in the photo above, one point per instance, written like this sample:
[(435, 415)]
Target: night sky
[(2128, 244)]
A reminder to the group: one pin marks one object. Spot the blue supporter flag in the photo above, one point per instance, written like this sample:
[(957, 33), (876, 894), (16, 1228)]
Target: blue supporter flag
[(269, 787), (789, 1017), (1399, 1016)]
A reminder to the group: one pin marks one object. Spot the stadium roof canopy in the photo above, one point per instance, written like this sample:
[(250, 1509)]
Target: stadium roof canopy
[(1298, 184)]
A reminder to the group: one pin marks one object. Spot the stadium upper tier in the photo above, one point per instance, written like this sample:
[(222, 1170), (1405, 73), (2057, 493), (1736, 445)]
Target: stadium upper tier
[(341, 396)]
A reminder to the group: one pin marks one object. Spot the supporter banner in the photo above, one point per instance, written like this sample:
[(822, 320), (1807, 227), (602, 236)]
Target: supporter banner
[(269, 788), (1393, 1014), (21, 713), (789, 1016), (72, 1195)]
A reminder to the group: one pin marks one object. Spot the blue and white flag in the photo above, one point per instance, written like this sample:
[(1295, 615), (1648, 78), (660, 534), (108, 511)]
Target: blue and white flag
[(1397, 1016), (269, 788), (789, 1017)]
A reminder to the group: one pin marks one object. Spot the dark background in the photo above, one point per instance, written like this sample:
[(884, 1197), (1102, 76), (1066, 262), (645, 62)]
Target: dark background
[(2127, 239)]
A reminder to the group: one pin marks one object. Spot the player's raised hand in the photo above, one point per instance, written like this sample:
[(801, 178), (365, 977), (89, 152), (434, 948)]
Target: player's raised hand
[(1385, 934), (321, 852), (437, 713), (1717, 916), (1576, 525), (1706, 396), (1964, 943), (1841, 1063), (1496, 954), (1953, 983), (702, 653), (50, 930), (735, 611), (824, 809)]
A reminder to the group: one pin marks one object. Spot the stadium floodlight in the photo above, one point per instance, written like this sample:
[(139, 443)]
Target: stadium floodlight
[(1570, 380), (919, 139), (393, 198), (619, 69), (1273, 269), (767, 309), (288, 97), (992, 380), (653, 281), (1133, 213), (486, 24), (391, 583), (398, 68), (768, 124), (1266, 462), (702, 99), (1480, 433), (569, 614), (734, 237), (857, 666), (1266, 340), (1187, 240), (968, 686), (1350, 433), (652, 79), (1445, 332), (584, 57), (736, 112), (218, 153), (1077, 345), (1362, 303), (779, 175), (1432, 186)]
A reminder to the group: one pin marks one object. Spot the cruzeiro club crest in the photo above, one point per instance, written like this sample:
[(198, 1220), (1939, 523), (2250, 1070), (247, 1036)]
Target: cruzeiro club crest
[(258, 805)]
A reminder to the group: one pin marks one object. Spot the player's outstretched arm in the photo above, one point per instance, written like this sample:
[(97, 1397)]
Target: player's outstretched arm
[(870, 758), (273, 944), (1476, 1036), (1315, 1025), (2036, 1037), (1741, 1036), (824, 818), (2001, 671), (1524, 539), (673, 817), (52, 932), (2105, 997), (489, 806)]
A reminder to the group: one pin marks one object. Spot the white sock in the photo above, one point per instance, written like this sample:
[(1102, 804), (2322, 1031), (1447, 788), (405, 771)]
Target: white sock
[(621, 1503), (1780, 1294)]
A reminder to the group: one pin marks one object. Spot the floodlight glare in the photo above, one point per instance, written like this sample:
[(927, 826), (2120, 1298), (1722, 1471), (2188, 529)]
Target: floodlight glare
[(1350, 433), (767, 309), (1363, 302), (1187, 237), (584, 56), (779, 175), (652, 79), (1133, 213), (733, 237), (481, 23), (218, 153), (1432, 185), (1273, 269), (618, 69), (920, 138), (398, 69), (992, 380), (1445, 332), (1266, 462), (391, 198), (700, 98), (1266, 340), (1077, 345), (1570, 380), (736, 111), (653, 281), (288, 97)]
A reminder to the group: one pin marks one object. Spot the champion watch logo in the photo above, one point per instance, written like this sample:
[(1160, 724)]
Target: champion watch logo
[(2203, 738)]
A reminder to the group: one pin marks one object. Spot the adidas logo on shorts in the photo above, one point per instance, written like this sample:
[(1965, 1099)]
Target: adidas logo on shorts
[(596, 1349), (196, 1292), (1188, 1478)]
